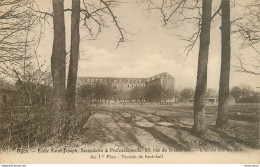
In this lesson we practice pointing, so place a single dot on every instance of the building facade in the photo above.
(163, 80)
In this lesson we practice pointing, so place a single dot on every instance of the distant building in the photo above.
(211, 100)
(124, 84)
(164, 80)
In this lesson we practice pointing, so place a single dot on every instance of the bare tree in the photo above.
(211, 93)
(85, 92)
(18, 45)
(15, 22)
(236, 92)
(176, 95)
(247, 27)
(153, 93)
(180, 12)
(137, 94)
(222, 120)
(167, 91)
(58, 58)
(102, 91)
(96, 14)
(247, 90)
(74, 55)
(203, 20)
(199, 126)
(92, 15)
(92, 12)
(186, 94)
(253, 67)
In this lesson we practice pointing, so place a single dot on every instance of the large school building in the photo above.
(164, 80)
(126, 84)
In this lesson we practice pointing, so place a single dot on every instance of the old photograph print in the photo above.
(129, 81)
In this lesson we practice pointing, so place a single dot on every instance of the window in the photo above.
(128, 86)
(132, 85)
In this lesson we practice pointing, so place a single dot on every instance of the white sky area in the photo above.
(150, 49)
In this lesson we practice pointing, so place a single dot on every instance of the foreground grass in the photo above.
(170, 127)
(147, 126)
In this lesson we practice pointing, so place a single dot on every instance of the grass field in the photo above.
(169, 127)
(147, 126)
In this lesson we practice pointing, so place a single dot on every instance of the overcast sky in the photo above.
(150, 49)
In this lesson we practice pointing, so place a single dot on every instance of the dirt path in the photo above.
(168, 127)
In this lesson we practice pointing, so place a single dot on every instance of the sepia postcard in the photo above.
(129, 81)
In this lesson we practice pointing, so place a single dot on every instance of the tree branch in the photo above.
(122, 39)
(219, 8)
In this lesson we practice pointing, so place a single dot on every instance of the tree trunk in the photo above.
(222, 120)
(74, 55)
(58, 58)
(73, 66)
(199, 127)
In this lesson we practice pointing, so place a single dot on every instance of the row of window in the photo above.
(129, 86)
(135, 86)
(113, 80)
(125, 80)
(91, 86)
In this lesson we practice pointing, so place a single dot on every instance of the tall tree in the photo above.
(74, 54)
(236, 92)
(222, 120)
(247, 28)
(58, 58)
(211, 93)
(93, 14)
(199, 126)
(186, 94)
(16, 20)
